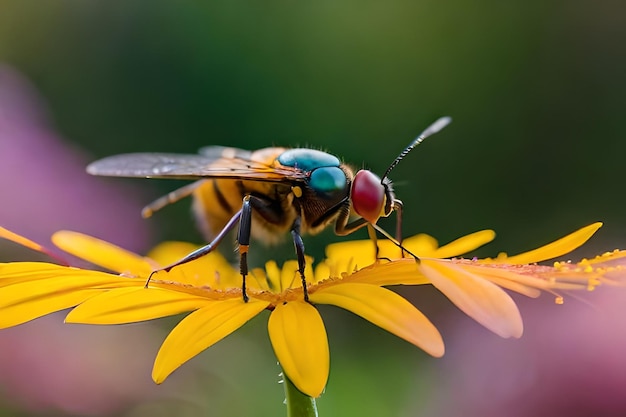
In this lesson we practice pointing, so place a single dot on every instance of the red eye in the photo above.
(368, 195)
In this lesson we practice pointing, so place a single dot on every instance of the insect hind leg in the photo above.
(244, 218)
(299, 245)
(168, 199)
(205, 250)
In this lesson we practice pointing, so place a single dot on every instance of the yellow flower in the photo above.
(210, 288)
(476, 286)
(349, 278)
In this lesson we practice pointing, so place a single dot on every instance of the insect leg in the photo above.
(343, 228)
(394, 241)
(264, 207)
(372, 235)
(299, 245)
(169, 198)
(198, 253)
(397, 207)
(243, 239)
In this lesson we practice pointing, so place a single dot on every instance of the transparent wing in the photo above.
(192, 167)
(216, 152)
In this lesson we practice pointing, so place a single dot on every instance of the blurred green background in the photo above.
(537, 92)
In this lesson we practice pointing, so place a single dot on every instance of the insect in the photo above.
(268, 193)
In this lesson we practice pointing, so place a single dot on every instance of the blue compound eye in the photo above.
(307, 159)
(328, 180)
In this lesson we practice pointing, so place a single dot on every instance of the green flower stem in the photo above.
(298, 404)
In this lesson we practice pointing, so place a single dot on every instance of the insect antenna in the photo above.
(430, 130)
(396, 205)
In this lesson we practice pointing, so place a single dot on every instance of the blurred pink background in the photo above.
(569, 362)
(43, 181)
(46, 366)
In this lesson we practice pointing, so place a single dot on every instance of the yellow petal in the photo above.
(26, 310)
(322, 272)
(198, 273)
(21, 240)
(362, 252)
(514, 283)
(523, 279)
(289, 276)
(201, 329)
(273, 276)
(421, 245)
(551, 250)
(17, 272)
(299, 340)
(211, 270)
(257, 280)
(386, 310)
(464, 244)
(25, 301)
(359, 252)
(129, 305)
(397, 272)
(102, 253)
(166, 253)
(480, 299)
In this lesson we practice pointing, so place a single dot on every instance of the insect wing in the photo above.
(217, 152)
(149, 165)
(192, 167)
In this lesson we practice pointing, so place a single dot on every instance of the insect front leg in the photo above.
(299, 245)
(261, 205)
(397, 207)
(268, 211)
(343, 228)
(243, 239)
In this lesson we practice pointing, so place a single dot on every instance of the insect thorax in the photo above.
(217, 200)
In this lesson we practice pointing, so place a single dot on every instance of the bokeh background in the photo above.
(537, 91)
